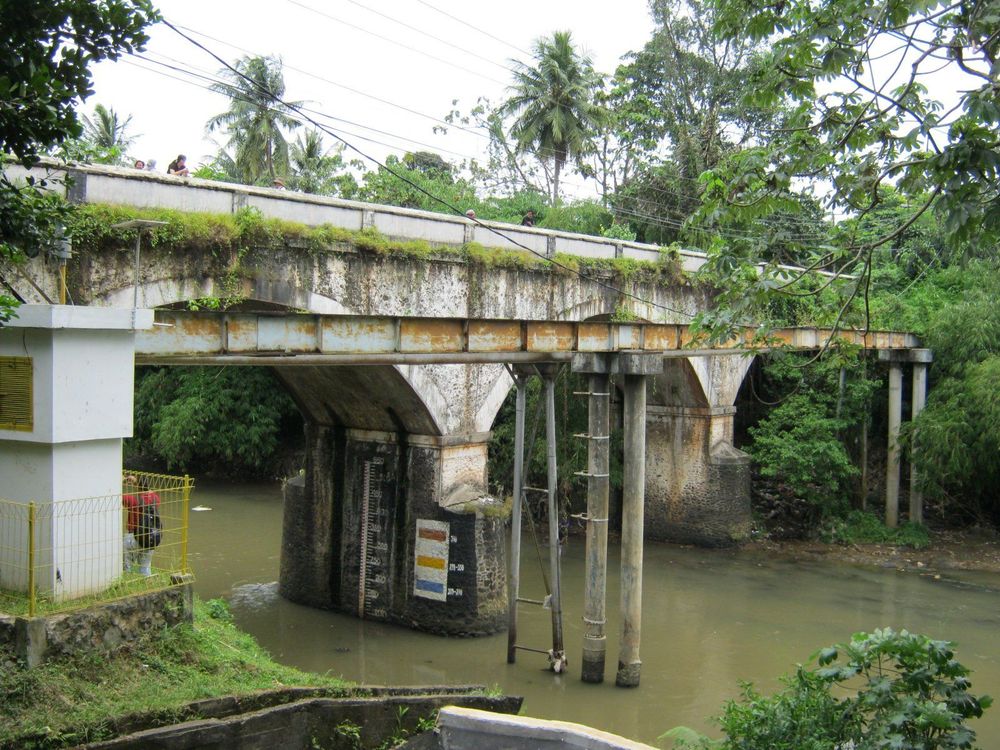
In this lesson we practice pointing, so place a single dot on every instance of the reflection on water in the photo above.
(710, 620)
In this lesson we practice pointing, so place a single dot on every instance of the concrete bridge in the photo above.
(397, 361)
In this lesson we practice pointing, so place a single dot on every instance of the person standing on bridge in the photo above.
(178, 166)
(529, 218)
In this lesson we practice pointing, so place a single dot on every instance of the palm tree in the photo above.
(108, 135)
(256, 116)
(553, 103)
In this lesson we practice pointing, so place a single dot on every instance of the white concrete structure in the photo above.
(82, 365)
(472, 729)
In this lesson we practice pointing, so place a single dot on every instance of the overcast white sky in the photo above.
(328, 53)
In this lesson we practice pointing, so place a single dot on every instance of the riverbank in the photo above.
(967, 549)
(96, 696)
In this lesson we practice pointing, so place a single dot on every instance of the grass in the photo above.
(85, 698)
(858, 527)
(16, 602)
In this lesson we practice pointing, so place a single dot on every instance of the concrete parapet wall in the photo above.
(129, 187)
(276, 719)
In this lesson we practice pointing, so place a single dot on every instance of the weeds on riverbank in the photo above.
(85, 698)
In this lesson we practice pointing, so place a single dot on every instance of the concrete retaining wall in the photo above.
(309, 723)
(100, 628)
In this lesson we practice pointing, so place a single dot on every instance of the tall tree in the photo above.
(316, 169)
(256, 118)
(49, 46)
(552, 103)
(108, 135)
(904, 93)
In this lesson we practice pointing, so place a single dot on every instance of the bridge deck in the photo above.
(238, 338)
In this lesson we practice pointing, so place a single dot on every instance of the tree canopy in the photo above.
(49, 46)
(903, 93)
(552, 103)
(256, 118)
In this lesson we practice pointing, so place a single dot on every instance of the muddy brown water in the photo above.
(710, 620)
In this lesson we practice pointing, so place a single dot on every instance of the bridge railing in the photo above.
(131, 187)
(61, 556)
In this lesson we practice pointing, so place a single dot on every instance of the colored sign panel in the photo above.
(430, 579)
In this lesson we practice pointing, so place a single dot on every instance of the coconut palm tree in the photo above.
(553, 104)
(256, 118)
(108, 135)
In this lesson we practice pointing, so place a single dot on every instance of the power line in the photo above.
(474, 28)
(662, 221)
(363, 30)
(424, 33)
(457, 211)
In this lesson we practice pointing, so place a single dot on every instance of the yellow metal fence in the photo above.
(59, 556)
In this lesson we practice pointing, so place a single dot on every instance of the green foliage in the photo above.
(552, 104)
(420, 189)
(582, 217)
(44, 72)
(69, 701)
(901, 691)
(799, 443)
(256, 119)
(859, 527)
(230, 420)
(314, 169)
(858, 119)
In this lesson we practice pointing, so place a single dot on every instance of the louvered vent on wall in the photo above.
(16, 408)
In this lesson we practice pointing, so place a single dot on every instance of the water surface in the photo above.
(710, 620)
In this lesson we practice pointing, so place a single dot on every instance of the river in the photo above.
(710, 620)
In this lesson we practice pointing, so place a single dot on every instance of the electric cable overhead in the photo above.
(474, 28)
(662, 221)
(363, 30)
(454, 209)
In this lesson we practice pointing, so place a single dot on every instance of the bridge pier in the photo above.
(396, 527)
(697, 482)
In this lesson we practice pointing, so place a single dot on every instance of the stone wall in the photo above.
(102, 628)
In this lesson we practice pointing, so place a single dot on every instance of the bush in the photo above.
(902, 692)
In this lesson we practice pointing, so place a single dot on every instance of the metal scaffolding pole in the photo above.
(598, 482)
(521, 384)
(557, 657)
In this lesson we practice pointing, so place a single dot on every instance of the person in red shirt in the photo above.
(138, 547)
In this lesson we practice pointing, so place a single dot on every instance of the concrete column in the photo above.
(919, 398)
(892, 457)
(598, 467)
(633, 492)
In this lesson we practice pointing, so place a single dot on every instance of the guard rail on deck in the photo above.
(183, 337)
(60, 556)
(131, 187)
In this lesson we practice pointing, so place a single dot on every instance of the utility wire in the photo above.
(662, 221)
(474, 28)
(454, 209)
(363, 30)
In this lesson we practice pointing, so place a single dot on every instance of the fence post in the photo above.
(31, 559)
(185, 499)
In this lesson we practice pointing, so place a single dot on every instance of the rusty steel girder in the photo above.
(183, 337)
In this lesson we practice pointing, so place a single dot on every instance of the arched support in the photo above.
(697, 482)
